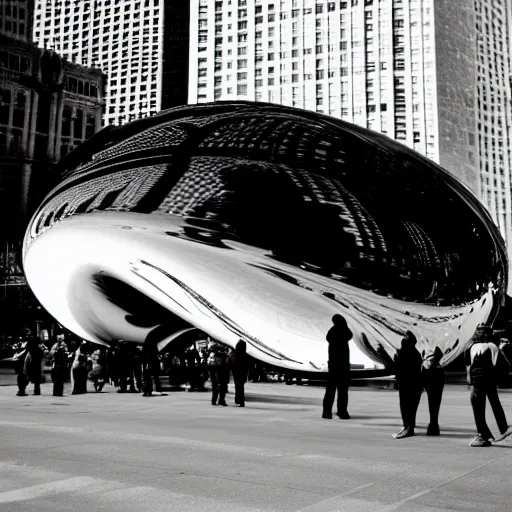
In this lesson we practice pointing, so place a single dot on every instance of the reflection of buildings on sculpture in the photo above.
(430, 74)
(219, 167)
(48, 106)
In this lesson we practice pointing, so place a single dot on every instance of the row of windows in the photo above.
(14, 62)
(82, 87)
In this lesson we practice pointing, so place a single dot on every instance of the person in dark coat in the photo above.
(482, 360)
(339, 368)
(59, 354)
(408, 363)
(33, 363)
(19, 364)
(219, 373)
(79, 370)
(240, 367)
(151, 365)
(433, 382)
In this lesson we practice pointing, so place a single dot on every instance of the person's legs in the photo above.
(215, 384)
(435, 394)
(477, 398)
(330, 393)
(342, 402)
(497, 408)
(147, 385)
(407, 397)
(22, 384)
(415, 398)
(223, 386)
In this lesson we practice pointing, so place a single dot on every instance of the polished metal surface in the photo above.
(256, 221)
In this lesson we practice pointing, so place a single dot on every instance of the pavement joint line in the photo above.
(36, 491)
(319, 507)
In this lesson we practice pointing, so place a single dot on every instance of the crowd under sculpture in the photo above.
(258, 221)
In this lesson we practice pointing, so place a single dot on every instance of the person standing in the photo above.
(339, 368)
(433, 381)
(219, 373)
(408, 363)
(33, 363)
(79, 370)
(150, 366)
(482, 359)
(19, 364)
(59, 365)
(240, 368)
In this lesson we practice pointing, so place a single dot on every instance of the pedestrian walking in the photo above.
(482, 360)
(433, 382)
(408, 363)
(338, 378)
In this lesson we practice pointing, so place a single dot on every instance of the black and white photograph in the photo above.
(301, 208)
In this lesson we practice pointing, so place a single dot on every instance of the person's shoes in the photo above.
(327, 416)
(121, 391)
(214, 403)
(242, 404)
(343, 415)
(503, 435)
(21, 393)
(147, 394)
(479, 442)
(433, 430)
(405, 432)
(223, 403)
(237, 401)
(37, 393)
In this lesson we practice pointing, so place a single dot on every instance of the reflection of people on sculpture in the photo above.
(59, 355)
(433, 381)
(239, 367)
(408, 375)
(339, 368)
(482, 360)
(219, 372)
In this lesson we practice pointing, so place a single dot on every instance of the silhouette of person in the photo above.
(433, 381)
(240, 368)
(339, 368)
(408, 363)
(219, 373)
(481, 359)
(59, 353)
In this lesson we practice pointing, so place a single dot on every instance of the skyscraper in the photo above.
(142, 45)
(421, 71)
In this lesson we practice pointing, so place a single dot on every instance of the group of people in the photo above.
(129, 367)
(135, 368)
(416, 372)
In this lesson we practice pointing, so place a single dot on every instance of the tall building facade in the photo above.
(428, 73)
(493, 19)
(47, 106)
(142, 46)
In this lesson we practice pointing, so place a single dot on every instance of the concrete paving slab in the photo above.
(123, 452)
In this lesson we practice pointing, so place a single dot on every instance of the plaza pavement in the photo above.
(112, 452)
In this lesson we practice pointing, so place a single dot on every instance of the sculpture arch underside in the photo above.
(253, 221)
